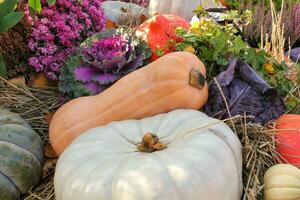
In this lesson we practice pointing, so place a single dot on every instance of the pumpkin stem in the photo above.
(197, 80)
(150, 143)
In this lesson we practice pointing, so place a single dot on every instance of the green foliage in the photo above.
(8, 17)
(159, 52)
(51, 2)
(7, 6)
(10, 20)
(35, 5)
(67, 79)
(214, 44)
(237, 4)
(3, 70)
(238, 17)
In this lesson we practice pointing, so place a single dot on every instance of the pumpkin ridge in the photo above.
(219, 135)
(176, 156)
(121, 135)
(31, 134)
(108, 141)
(28, 152)
(176, 127)
(287, 173)
(33, 180)
(114, 177)
(163, 164)
(7, 178)
(283, 187)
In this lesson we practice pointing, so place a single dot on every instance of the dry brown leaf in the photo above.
(291, 73)
(110, 24)
(143, 18)
(18, 81)
(40, 80)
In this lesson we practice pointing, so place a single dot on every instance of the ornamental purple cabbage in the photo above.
(102, 60)
(59, 30)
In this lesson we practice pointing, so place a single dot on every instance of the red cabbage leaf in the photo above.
(295, 54)
(245, 93)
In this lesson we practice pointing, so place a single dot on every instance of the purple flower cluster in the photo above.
(59, 30)
(296, 17)
(144, 3)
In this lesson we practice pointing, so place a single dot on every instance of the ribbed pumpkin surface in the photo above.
(288, 137)
(21, 156)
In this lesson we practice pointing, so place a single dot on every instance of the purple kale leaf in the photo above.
(295, 55)
(102, 60)
(245, 93)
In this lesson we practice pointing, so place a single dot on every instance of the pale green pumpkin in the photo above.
(192, 157)
(21, 156)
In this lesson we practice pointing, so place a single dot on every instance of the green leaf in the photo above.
(10, 20)
(222, 61)
(7, 6)
(3, 70)
(35, 5)
(51, 2)
(159, 52)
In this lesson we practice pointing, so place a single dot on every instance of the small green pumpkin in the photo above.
(21, 156)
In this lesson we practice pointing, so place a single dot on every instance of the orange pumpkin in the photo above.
(174, 81)
(288, 137)
(160, 33)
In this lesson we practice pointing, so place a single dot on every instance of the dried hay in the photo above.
(34, 103)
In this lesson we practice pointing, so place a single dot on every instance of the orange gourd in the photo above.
(288, 138)
(160, 33)
(174, 81)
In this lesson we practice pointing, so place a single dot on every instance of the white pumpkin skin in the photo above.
(282, 182)
(113, 12)
(103, 163)
(182, 8)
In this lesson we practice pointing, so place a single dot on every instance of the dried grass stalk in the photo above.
(276, 45)
(33, 104)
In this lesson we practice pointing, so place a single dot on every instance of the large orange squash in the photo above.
(160, 33)
(288, 137)
(174, 81)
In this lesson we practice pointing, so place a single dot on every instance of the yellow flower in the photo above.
(269, 67)
(189, 49)
(195, 27)
(195, 24)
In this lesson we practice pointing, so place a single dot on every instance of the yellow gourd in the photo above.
(282, 182)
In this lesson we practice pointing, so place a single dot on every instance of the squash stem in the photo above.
(197, 80)
(150, 143)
